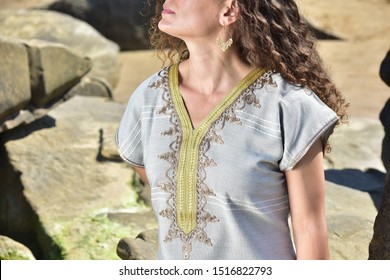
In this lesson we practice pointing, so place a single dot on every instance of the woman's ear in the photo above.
(230, 13)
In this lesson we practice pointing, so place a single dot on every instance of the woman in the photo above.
(231, 136)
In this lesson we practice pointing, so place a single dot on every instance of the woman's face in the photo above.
(191, 18)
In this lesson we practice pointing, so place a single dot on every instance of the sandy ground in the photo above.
(353, 61)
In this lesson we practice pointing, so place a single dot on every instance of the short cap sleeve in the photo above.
(128, 134)
(304, 118)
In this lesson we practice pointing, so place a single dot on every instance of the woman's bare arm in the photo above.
(306, 187)
(142, 173)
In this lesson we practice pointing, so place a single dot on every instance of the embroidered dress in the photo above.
(219, 190)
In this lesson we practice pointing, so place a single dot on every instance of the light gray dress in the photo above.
(219, 191)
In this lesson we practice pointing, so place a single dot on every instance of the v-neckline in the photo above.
(191, 139)
(215, 113)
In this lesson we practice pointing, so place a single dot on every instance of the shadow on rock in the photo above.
(25, 130)
(370, 181)
(321, 34)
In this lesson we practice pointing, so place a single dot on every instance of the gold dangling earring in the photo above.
(224, 45)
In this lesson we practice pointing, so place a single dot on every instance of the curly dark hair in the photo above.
(270, 34)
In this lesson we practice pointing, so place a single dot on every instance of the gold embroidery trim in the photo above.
(186, 203)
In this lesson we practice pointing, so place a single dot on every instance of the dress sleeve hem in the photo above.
(124, 157)
(317, 136)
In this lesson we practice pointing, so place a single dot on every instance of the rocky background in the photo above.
(67, 69)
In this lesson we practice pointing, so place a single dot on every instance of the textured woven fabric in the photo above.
(219, 191)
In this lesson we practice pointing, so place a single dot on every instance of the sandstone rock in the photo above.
(15, 90)
(322, 34)
(16, 215)
(59, 28)
(43, 76)
(143, 247)
(355, 160)
(16, 119)
(356, 145)
(72, 193)
(12, 250)
(122, 21)
(130, 219)
(150, 236)
(350, 215)
(92, 87)
(22, 4)
(108, 149)
(355, 175)
(54, 69)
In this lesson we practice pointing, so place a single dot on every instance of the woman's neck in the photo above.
(209, 70)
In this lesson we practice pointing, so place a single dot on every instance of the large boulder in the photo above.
(143, 247)
(48, 57)
(122, 21)
(355, 176)
(12, 250)
(54, 70)
(35, 75)
(77, 193)
(15, 91)
(56, 27)
(356, 145)
(350, 215)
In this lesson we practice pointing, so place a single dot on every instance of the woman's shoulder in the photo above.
(288, 92)
(282, 87)
(279, 96)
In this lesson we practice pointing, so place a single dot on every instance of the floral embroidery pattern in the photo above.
(203, 191)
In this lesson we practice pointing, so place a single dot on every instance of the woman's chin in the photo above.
(166, 27)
